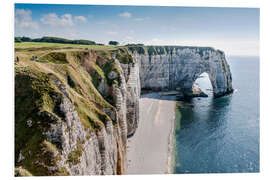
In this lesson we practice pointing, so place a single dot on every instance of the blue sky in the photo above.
(234, 30)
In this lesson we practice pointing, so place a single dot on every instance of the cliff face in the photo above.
(71, 114)
(179, 67)
(74, 109)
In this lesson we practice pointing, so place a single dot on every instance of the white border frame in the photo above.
(7, 82)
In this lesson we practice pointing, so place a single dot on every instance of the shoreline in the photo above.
(171, 146)
(150, 149)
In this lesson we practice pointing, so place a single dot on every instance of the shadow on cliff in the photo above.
(174, 97)
(158, 95)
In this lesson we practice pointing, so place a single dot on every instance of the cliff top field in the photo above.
(58, 45)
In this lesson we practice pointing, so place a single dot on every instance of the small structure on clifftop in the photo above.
(34, 58)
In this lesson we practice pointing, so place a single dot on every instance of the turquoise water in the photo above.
(221, 135)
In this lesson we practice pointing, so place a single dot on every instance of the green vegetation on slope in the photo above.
(74, 156)
(160, 50)
(54, 57)
(138, 48)
(33, 46)
(37, 101)
(34, 106)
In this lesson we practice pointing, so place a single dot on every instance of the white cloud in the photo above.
(125, 15)
(80, 19)
(52, 19)
(23, 19)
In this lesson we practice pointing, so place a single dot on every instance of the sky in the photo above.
(233, 30)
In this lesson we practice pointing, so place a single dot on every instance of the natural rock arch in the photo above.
(218, 72)
(181, 66)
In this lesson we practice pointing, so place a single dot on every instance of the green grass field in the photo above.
(58, 45)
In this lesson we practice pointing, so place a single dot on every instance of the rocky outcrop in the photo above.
(131, 72)
(178, 68)
(82, 151)
(53, 139)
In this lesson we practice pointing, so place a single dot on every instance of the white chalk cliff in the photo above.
(179, 67)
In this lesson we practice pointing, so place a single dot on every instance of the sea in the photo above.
(221, 135)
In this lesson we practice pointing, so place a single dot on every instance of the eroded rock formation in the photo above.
(179, 67)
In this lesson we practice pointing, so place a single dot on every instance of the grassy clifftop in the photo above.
(159, 50)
